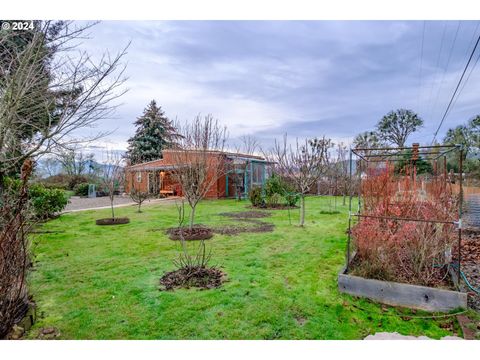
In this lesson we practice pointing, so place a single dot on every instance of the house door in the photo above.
(153, 183)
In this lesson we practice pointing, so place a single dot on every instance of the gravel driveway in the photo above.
(78, 203)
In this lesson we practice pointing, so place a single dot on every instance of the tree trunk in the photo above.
(302, 210)
(111, 204)
(192, 216)
(139, 206)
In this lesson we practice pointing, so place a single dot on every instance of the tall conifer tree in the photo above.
(155, 132)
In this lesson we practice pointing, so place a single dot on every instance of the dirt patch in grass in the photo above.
(188, 277)
(274, 207)
(48, 333)
(196, 232)
(258, 227)
(112, 221)
(246, 214)
(329, 212)
(250, 224)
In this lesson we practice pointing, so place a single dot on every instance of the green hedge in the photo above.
(46, 202)
(81, 189)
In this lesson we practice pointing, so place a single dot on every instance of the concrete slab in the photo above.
(397, 336)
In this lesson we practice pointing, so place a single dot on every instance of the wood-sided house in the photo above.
(242, 172)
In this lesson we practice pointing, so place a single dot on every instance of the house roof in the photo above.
(218, 152)
(160, 164)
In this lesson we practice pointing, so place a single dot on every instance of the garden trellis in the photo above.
(406, 185)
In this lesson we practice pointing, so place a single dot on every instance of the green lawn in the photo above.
(94, 282)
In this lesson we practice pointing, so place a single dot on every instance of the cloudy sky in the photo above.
(267, 78)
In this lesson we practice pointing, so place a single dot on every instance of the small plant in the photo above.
(81, 189)
(192, 263)
(256, 197)
(138, 197)
(273, 200)
(291, 198)
(274, 185)
(75, 180)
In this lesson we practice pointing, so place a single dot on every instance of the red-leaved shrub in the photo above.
(389, 248)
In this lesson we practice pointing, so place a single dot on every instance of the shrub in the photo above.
(256, 197)
(291, 198)
(46, 202)
(274, 185)
(81, 189)
(273, 200)
(277, 189)
(64, 181)
(399, 250)
(59, 181)
(75, 180)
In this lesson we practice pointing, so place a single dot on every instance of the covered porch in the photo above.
(155, 180)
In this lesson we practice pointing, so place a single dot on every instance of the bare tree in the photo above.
(50, 166)
(339, 172)
(112, 176)
(188, 259)
(237, 168)
(302, 164)
(85, 91)
(75, 162)
(194, 168)
(137, 195)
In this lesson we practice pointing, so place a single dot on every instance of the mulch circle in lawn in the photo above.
(196, 276)
(196, 232)
(247, 217)
(112, 221)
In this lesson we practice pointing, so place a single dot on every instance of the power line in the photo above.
(430, 97)
(456, 89)
(445, 69)
(421, 65)
(466, 80)
(468, 77)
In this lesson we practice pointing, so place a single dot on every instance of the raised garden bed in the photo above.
(399, 294)
(112, 221)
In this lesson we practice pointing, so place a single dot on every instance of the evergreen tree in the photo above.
(38, 110)
(423, 166)
(154, 133)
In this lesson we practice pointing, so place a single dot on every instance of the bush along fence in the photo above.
(276, 193)
(404, 240)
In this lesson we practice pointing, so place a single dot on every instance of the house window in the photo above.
(139, 176)
(257, 174)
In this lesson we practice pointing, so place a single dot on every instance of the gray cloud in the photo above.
(307, 78)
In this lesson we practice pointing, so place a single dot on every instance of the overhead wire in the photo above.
(432, 111)
(421, 66)
(442, 40)
(456, 90)
(468, 76)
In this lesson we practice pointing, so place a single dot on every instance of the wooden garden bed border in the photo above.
(405, 295)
